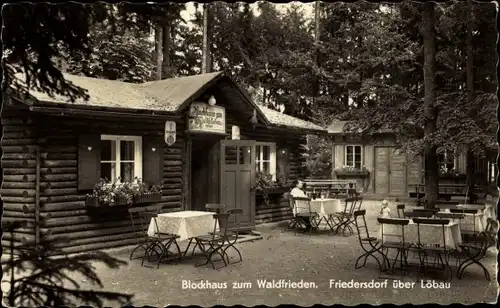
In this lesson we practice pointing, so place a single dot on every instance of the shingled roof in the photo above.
(168, 95)
(280, 119)
(340, 127)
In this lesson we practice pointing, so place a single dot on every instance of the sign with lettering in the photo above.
(205, 118)
(170, 132)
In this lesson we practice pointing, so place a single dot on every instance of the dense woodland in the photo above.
(425, 71)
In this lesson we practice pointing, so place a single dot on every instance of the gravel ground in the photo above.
(315, 259)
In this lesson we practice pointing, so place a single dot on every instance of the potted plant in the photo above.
(107, 193)
(352, 171)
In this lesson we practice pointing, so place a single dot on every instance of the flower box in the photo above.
(352, 173)
(93, 201)
(147, 198)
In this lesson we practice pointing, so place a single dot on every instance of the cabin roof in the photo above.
(340, 127)
(280, 119)
(168, 95)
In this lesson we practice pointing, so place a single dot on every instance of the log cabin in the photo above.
(201, 137)
(375, 163)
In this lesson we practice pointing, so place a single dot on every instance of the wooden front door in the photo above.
(390, 171)
(237, 179)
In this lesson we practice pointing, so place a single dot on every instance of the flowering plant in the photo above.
(444, 171)
(347, 168)
(116, 192)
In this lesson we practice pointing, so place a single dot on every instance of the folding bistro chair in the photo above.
(293, 223)
(398, 242)
(400, 209)
(140, 228)
(475, 250)
(467, 233)
(369, 244)
(210, 207)
(232, 235)
(213, 244)
(441, 252)
(305, 215)
(356, 206)
(341, 220)
(161, 239)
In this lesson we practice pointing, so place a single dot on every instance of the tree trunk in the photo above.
(317, 15)
(158, 51)
(431, 165)
(167, 39)
(470, 99)
(206, 63)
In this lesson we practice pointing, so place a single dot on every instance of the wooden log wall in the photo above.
(277, 210)
(62, 206)
(18, 163)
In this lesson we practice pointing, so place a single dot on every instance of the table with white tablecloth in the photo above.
(323, 207)
(429, 234)
(185, 224)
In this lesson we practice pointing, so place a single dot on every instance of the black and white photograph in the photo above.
(249, 153)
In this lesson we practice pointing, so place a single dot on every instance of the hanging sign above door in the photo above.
(170, 132)
(206, 119)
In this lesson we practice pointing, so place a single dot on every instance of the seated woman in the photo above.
(298, 192)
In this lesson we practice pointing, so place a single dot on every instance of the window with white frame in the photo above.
(121, 157)
(353, 156)
(446, 160)
(265, 155)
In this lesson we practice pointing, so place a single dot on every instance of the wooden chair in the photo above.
(477, 246)
(441, 252)
(141, 221)
(304, 215)
(232, 235)
(161, 239)
(140, 228)
(369, 244)
(210, 207)
(398, 242)
(213, 244)
(341, 220)
(466, 233)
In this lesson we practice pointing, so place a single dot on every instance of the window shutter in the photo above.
(152, 165)
(89, 161)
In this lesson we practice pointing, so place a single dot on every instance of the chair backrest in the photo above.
(215, 207)
(302, 204)
(361, 226)
(400, 209)
(464, 211)
(351, 204)
(433, 211)
(418, 214)
(223, 220)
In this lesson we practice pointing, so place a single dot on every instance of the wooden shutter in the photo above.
(89, 161)
(152, 165)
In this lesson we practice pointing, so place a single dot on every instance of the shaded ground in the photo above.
(283, 255)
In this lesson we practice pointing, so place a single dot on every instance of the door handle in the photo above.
(252, 188)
